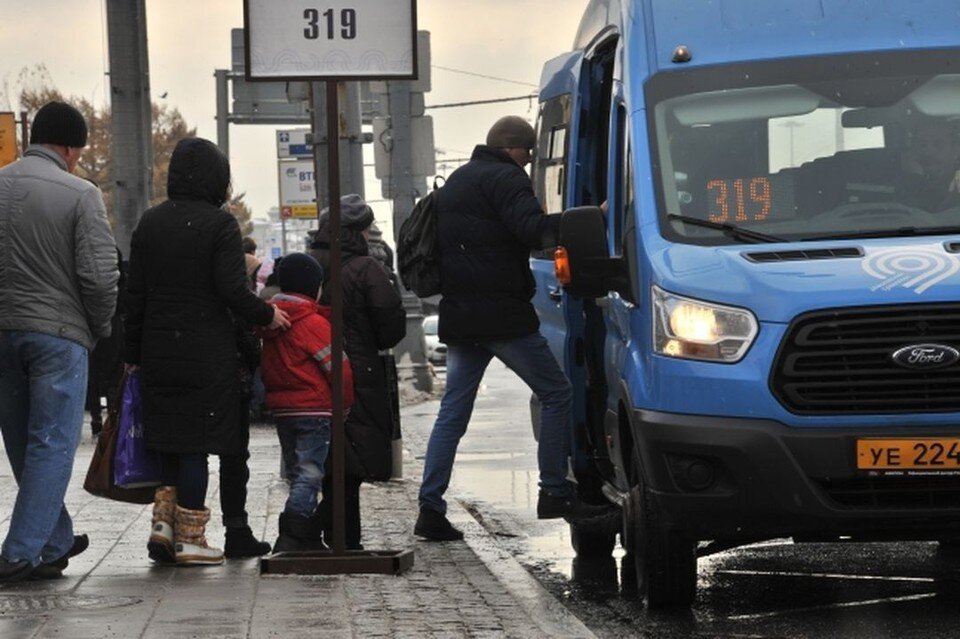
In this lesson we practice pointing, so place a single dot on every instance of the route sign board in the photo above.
(292, 143)
(342, 39)
(298, 190)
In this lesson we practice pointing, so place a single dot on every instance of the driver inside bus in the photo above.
(930, 167)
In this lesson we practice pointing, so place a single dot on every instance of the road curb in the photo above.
(544, 609)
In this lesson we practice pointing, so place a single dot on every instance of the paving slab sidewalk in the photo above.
(461, 589)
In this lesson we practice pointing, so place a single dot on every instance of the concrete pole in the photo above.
(411, 358)
(351, 140)
(223, 112)
(131, 115)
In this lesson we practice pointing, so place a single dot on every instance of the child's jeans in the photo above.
(304, 442)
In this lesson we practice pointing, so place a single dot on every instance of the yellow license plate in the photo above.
(928, 454)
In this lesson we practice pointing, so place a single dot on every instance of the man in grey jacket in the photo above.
(58, 291)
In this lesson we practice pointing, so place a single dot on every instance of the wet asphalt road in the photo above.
(770, 589)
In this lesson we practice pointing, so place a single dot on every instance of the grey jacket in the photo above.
(58, 258)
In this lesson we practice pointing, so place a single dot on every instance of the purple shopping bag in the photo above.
(133, 465)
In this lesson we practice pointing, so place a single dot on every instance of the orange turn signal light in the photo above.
(561, 266)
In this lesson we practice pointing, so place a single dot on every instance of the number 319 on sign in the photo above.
(330, 24)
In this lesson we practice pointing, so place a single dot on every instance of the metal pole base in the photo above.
(330, 562)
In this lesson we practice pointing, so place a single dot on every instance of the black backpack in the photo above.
(418, 247)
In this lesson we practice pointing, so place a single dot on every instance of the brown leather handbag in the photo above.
(99, 480)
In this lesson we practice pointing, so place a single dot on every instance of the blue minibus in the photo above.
(756, 292)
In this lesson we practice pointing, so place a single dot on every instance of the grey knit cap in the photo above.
(354, 213)
(512, 131)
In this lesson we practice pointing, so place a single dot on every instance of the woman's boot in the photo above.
(160, 545)
(191, 544)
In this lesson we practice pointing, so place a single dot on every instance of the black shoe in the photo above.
(435, 527)
(80, 543)
(13, 571)
(567, 507)
(241, 543)
(45, 572)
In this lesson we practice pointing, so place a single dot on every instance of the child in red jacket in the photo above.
(297, 369)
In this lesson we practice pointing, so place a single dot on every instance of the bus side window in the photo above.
(549, 163)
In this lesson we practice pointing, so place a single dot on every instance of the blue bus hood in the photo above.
(889, 271)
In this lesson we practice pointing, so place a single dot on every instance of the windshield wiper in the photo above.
(903, 231)
(732, 230)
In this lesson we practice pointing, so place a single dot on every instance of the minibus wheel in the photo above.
(665, 562)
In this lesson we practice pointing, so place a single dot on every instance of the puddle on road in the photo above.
(504, 500)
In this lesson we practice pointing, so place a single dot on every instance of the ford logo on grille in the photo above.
(926, 356)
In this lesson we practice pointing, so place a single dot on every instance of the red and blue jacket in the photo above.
(297, 364)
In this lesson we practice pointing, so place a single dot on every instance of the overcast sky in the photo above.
(189, 39)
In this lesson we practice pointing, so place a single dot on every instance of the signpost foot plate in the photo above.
(329, 562)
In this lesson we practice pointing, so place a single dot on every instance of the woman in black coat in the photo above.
(186, 282)
(373, 321)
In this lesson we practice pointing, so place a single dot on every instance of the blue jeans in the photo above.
(304, 442)
(43, 384)
(530, 358)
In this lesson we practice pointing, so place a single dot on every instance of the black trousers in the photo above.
(351, 507)
(234, 475)
(188, 472)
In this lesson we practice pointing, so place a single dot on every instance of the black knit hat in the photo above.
(59, 123)
(300, 273)
(354, 213)
(512, 132)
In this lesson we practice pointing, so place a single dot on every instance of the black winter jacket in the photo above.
(489, 220)
(373, 320)
(187, 275)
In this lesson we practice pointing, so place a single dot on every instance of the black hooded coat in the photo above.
(373, 320)
(187, 275)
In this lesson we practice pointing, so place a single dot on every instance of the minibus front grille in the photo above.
(841, 361)
(918, 492)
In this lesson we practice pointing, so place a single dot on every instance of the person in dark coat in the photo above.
(105, 368)
(373, 320)
(186, 282)
(234, 470)
(488, 221)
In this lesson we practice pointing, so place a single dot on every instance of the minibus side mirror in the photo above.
(583, 264)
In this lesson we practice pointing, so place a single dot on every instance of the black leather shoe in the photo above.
(435, 527)
(13, 571)
(567, 507)
(80, 543)
(54, 569)
(240, 543)
(45, 572)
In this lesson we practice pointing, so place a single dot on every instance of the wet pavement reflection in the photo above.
(770, 589)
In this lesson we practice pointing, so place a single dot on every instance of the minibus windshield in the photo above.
(844, 146)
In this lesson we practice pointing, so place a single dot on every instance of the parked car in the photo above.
(436, 352)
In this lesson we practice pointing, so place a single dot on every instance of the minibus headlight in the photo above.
(691, 329)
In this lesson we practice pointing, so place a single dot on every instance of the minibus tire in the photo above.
(665, 563)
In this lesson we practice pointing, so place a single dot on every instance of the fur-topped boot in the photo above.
(160, 545)
(191, 543)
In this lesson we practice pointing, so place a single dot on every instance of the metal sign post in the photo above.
(297, 40)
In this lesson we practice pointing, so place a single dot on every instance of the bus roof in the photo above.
(719, 31)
